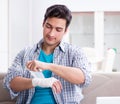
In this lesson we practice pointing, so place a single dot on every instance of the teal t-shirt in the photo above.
(44, 95)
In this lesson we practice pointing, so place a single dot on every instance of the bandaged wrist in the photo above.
(43, 82)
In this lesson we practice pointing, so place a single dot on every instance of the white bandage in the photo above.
(37, 74)
(43, 82)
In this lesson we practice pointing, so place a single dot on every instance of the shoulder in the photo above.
(28, 50)
(72, 48)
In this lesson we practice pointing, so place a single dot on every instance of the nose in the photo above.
(52, 32)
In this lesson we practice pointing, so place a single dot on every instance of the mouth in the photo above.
(51, 38)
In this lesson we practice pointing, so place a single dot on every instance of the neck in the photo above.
(47, 49)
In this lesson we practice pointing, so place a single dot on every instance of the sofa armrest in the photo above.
(4, 94)
(103, 84)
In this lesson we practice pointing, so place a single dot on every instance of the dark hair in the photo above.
(59, 11)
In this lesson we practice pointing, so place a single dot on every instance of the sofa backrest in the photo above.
(103, 84)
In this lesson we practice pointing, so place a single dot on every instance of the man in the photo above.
(52, 71)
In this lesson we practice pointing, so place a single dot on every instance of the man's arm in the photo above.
(21, 83)
(71, 74)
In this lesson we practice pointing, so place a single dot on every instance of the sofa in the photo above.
(103, 84)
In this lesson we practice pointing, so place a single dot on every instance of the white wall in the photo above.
(18, 26)
(3, 35)
(21, 21)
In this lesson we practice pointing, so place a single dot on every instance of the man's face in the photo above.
(54, 30)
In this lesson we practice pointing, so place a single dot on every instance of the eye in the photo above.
(59, 29)
(47, 26)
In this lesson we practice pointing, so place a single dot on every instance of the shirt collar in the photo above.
(61, 45)
(38, 48)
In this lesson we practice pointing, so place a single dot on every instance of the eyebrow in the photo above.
(52, 26)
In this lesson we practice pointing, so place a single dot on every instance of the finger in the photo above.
(32, 66)
(54, 88)
(57, 87)
(60, 86)
(28, 65)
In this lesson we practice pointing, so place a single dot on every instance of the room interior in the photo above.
(95, 28)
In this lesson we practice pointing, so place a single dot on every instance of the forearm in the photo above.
(73, 75)
(20, 83)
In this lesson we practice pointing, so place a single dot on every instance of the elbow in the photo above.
(13, 87)
(79, 80)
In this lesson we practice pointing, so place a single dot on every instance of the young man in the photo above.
(62, 70)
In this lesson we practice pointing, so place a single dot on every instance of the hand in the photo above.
(48, 82)
(35, 65)
(57, 86)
